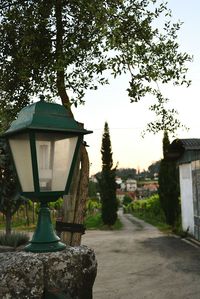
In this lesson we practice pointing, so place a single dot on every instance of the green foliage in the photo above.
(26, 217)
(148, 209)
(169, 186)
(78, 41)
(95, 222)
(166, 144)
(130, 173)
(92, 206)
(127, 200)
(14, 240)
(56, 205)
(107, 181)
(154, 168)
(126, 173)
(10, 199)
(93, 188)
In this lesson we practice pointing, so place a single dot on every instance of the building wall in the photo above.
(131, 185)
(185, 173)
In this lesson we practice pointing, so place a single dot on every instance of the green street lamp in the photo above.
(44, 141)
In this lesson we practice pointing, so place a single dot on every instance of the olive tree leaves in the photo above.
(151, 56)
(99, 37)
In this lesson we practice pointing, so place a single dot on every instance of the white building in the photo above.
(131, 185)
(187, 154)
(118, 181)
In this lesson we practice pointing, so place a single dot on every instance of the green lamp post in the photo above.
(44, 141)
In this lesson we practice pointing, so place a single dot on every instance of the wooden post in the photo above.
(82, 193)
(69, 203)
(74, 205)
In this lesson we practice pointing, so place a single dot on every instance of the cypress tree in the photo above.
(166, 144)
(168, 185)
(107, 182)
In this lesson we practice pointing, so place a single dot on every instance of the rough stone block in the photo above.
(69, 274)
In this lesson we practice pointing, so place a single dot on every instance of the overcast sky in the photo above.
(127, 120)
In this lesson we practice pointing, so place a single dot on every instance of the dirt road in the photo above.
(139, 262)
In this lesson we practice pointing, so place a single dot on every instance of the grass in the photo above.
(149, 210)
(92, 221)
(161, 225)
(20, 226)
(158, 221)
(95, 222)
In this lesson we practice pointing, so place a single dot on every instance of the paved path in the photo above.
(139, 262)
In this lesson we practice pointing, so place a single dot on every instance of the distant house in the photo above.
(131, 185)
(147, 189)
(123, 186)
(152, 188)
(118, 181)
(120, 194)
(187, 154)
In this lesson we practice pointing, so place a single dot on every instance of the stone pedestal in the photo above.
(66, 274)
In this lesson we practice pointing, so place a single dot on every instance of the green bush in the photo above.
(148, 209)
(14, 239)
(92, 206)
(126, 200)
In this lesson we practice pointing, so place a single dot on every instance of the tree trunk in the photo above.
(8, 223)
(74, 206)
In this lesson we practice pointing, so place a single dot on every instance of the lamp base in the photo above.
(44, 238)
(45, 247)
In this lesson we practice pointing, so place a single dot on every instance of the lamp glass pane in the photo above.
(20, 147)
(55, 153)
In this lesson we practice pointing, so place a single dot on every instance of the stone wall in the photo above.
(66, 274)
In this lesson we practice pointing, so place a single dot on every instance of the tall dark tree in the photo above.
(107, 182)
(166, 144)
(153, 169)
(168, 185)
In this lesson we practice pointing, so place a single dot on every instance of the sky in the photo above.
(127, 120)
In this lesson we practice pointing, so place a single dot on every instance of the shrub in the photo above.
(14, 239)
(147, 208)
(126, 200)
(92, 206)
